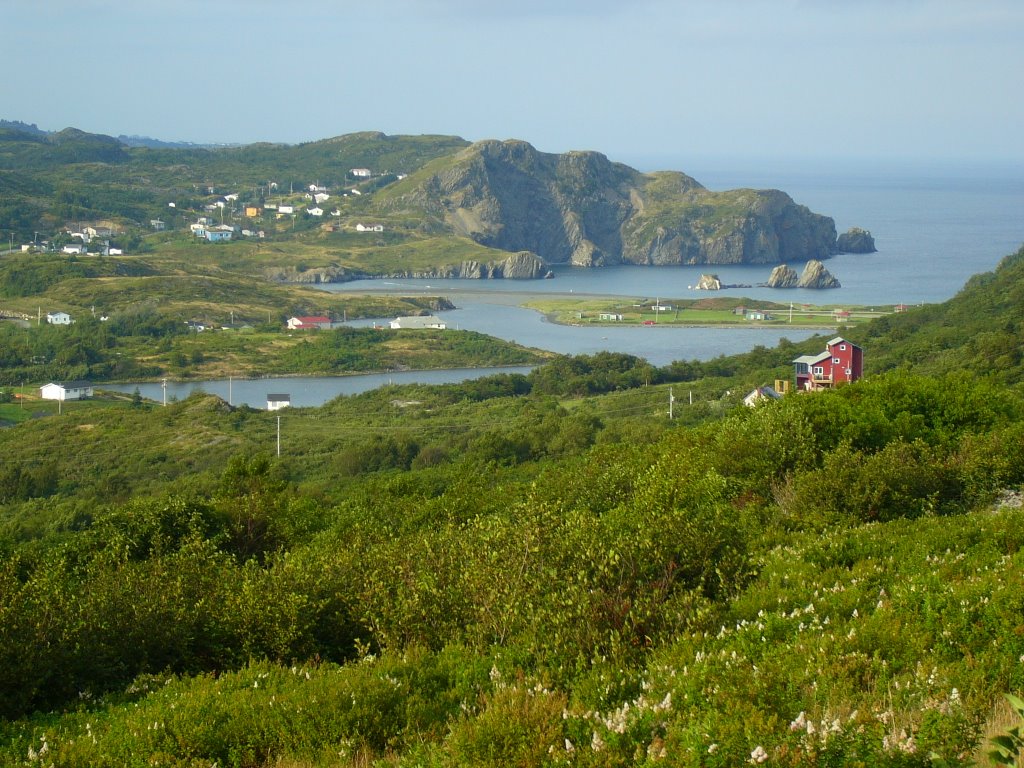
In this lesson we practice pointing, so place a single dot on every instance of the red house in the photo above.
(842, 361)
(306, 323)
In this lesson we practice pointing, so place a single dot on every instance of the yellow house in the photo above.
(252, 211)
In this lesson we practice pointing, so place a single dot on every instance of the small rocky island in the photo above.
(856, 240)
(814, 276)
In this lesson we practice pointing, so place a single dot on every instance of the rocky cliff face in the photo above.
(579, 208)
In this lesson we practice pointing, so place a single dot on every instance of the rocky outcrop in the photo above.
(816, 276)
(581, 209)
(518, 266)
(783, 277)
(709, 283)
(856, 240)
(314, 276)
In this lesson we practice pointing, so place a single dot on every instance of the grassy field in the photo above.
(738, 312)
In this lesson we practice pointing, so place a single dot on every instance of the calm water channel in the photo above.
(304, 390)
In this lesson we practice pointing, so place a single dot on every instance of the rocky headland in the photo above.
(581, 209)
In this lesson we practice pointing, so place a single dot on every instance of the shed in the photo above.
(276, 402)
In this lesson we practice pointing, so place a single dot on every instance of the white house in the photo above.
(369, 227)
(316, 211)
(285, 209)
(321, 197)
(612, 316)
(72, 390)
(361, 173)
(73, 248)
(277, 402)
(58, 318)
(418, 322)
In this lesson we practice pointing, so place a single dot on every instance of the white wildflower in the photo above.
(758, 755)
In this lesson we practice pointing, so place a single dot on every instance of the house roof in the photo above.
(79, 384)
(279, 398)
(812, 359)
(312, 320)
(762, 392)
(840, 340)
(417, 321)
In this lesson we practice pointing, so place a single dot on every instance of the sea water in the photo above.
(935, 225)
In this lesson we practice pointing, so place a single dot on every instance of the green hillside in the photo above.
(533, 570)
(428, 205)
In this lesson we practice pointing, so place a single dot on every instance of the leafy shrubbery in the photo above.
(795, 581)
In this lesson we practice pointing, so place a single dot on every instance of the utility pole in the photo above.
(164, 385)
(229, 390)
(279, 436)
(671, 402)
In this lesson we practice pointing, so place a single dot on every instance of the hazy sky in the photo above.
(888, 79)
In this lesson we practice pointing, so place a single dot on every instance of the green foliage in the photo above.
(484, 574)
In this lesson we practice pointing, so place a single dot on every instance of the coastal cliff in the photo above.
(581, 209)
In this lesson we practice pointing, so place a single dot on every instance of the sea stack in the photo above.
(856, 240)
(709, 283)
(816, 276)
(783, 277)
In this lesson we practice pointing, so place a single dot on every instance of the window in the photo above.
(835, 361)
(849, 372)
(819, 371)
(842, 347)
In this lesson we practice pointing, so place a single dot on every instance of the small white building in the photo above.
(419, 323)
(315, 211)
(72, 390)
(361, 173)
(73, 248)
(760, 394)
(58, 318)
(276, 402)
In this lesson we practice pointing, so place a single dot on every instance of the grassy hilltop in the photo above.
(534, 570)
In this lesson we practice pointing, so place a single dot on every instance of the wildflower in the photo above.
(799, 723)
(758, 755)
(569, 746)
(596, 742)
(712, 749)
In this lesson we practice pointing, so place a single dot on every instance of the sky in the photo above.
(638, 80)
